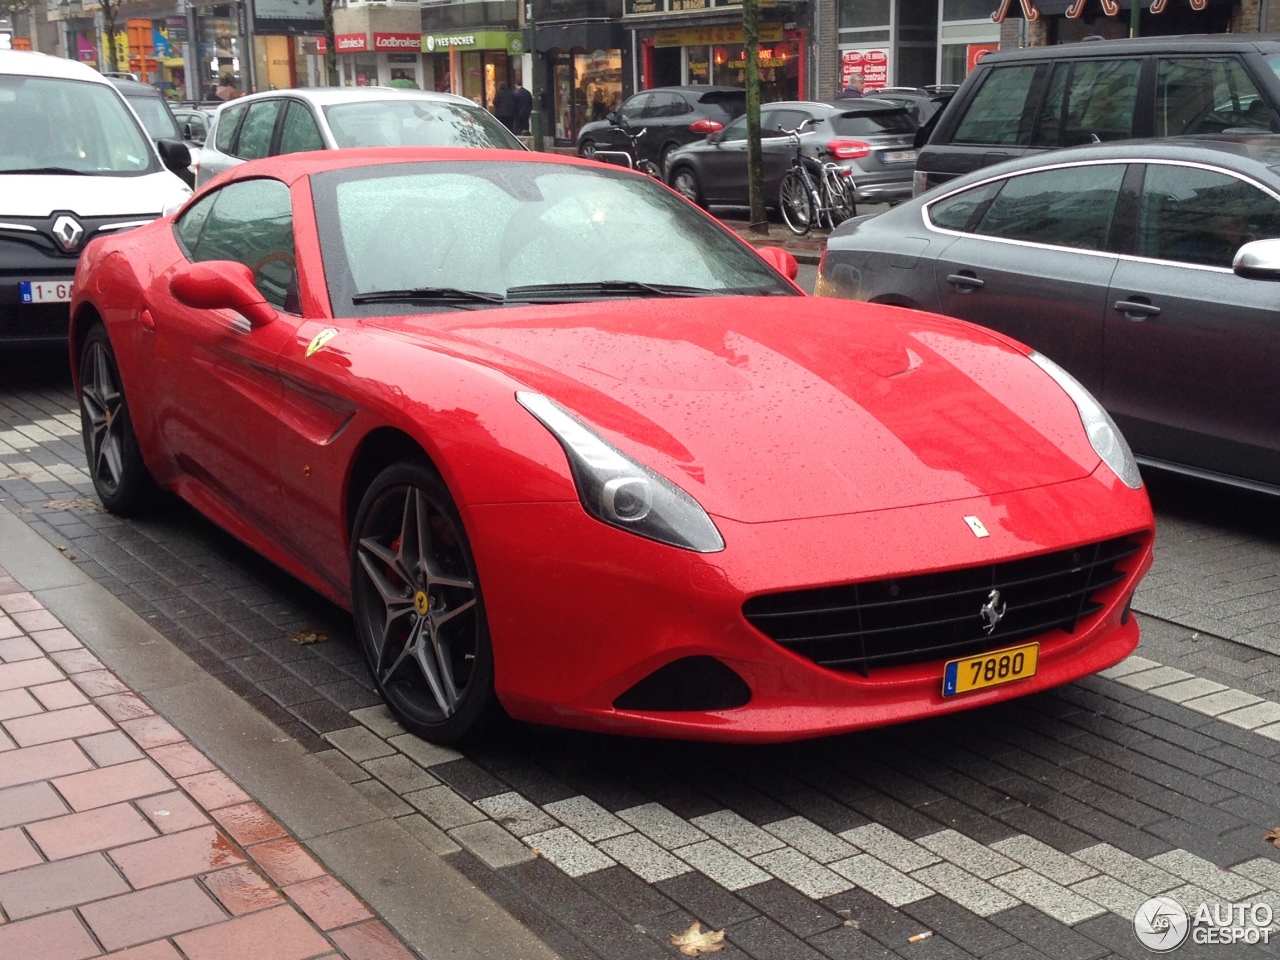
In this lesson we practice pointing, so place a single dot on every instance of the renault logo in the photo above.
(992, 611)
(68, 232)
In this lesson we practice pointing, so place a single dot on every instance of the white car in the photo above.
(334, 118)
(82, 166)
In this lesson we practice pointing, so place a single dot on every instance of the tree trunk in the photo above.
(109, 11)
(755, 163)
(331, 47)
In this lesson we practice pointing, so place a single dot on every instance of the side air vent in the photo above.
(692, 683)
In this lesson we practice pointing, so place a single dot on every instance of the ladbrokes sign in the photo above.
(397, 42)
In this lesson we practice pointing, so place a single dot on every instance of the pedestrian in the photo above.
(227, 89)
(524, 107)
(504, 106)
(854, 90)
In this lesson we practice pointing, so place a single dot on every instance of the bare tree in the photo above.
(755, 165)
(331, 47)
(10, 8)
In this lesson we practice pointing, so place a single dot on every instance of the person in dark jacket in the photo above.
(854, 90)
(524, 107)
(504, 106)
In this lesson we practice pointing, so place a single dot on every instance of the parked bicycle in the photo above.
(633, 159)
(814, 192)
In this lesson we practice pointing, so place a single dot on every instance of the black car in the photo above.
(158, 120)
(670, 117)
(870, 138)
(1131, 265)
(1044, 98)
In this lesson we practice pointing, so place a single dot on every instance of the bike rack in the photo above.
(630, 161)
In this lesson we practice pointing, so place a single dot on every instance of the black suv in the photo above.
(670, 117)
(1026, 101)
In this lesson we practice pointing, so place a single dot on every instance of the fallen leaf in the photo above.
(693, 941)
(1272, 836)
(308, 636)
(82, 504)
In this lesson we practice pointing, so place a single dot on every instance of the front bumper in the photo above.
(579, 612)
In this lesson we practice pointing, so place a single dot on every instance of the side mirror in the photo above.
(780, 260)
(185, 130)
(715, 137)
(1259, 260)
(175, 155)
(614, 117)
(221, 285)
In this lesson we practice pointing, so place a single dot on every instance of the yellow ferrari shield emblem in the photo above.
(421, 603)
(320, 339)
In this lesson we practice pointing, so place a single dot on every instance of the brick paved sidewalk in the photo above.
(119, 837)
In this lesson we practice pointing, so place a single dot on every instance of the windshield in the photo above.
(525, 230)
(155, 116)
(873, 124)
(55, 125)
(416, 123)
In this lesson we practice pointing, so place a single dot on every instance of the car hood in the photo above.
(781, 408)
(91, 196)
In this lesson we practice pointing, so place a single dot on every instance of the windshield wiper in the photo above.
(428, 294)
(607, 288)
(64, 171)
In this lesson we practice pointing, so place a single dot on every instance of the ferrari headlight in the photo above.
(1102, 431)
(621, 492)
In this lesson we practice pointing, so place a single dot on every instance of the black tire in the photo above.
(587, 149)
(120, 476)
(649, 169)
(796, 204)
(684, 180)
(418, 611)
(664, 156)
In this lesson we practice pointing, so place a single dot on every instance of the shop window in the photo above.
(864, 13)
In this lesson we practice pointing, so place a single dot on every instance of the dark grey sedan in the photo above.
(872, 138)
(1123, 263)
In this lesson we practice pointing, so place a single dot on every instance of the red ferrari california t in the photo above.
(568, 448)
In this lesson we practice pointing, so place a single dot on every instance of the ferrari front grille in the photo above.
(934, 616)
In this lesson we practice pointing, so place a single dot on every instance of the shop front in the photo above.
(472, 64)
(284, 44)
(221, 32)
(379, 46)
(588, 71)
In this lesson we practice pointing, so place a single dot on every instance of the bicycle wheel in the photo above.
(796, 204)
(649, 169)
(841, 200)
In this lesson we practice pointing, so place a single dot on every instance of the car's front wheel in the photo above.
(417, 606)
(120, 476)
(685, 182)
(587, 148)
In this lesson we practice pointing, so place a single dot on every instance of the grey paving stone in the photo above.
(890, 885)
(359, 744)
(342, 765)
(1047, 896)
(737, 833)
(1120, 898)
(889, 847)
(379, 720)
(492, 844)
(810, 839)
(1136, 873)
(382, 798)
(638, 902)
(643, 857)
(1157, 677)
(568, 851)
(721, 864)
(764, 939)
(444, 807)
(1219, 703)
(808, 876)
(976, 858)
(419, 750)
(972, 893)
(945, 918)
(798, 913)
(586, 817)
(706, 900)
(1043, 859)
(1249, 718)
(400, 773)
(849, 943)
(1044, 933)
(661, 825)
(428, 834)
(516, 814)
(1206, 874)
(469, 779)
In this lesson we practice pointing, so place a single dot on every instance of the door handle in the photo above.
(965, 281)
(1137, 309)
(147, 320)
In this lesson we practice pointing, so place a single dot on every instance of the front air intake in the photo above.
(692, 683)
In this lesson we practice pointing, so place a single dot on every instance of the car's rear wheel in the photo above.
(587, 148)
(417, 606)
(664, 158)
(120, 476)
(685, 182)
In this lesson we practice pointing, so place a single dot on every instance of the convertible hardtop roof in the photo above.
(291, 167)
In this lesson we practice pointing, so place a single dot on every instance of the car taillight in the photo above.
(848, 149)
(706, 125)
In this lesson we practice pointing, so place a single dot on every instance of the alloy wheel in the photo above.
(103, 404)
(419, 603)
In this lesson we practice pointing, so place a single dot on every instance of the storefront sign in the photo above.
(397, 42)
(176, 28)
(351, 42)
(477, 40)
(288, 9)
(706, 36)
(872, 63)
(975, 53)
(322, 46)
(649, 8)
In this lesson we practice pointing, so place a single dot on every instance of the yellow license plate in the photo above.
(990, 669)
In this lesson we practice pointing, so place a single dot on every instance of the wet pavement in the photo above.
(1029, 830)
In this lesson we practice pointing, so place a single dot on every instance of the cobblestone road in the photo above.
(1028, 830)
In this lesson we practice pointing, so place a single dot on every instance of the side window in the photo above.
(228, 120)
(1207, 95)
(633, 108)
(774, 122)
(255, 134)
(191, 223)
(1063, 207)
(251, 222)
(998, 113)
(735, 131)
(955, 212)
(662, 105)
(299, 132)
(1089, 101)
(1193, 215)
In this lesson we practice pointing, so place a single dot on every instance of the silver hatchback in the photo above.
(334, 118)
